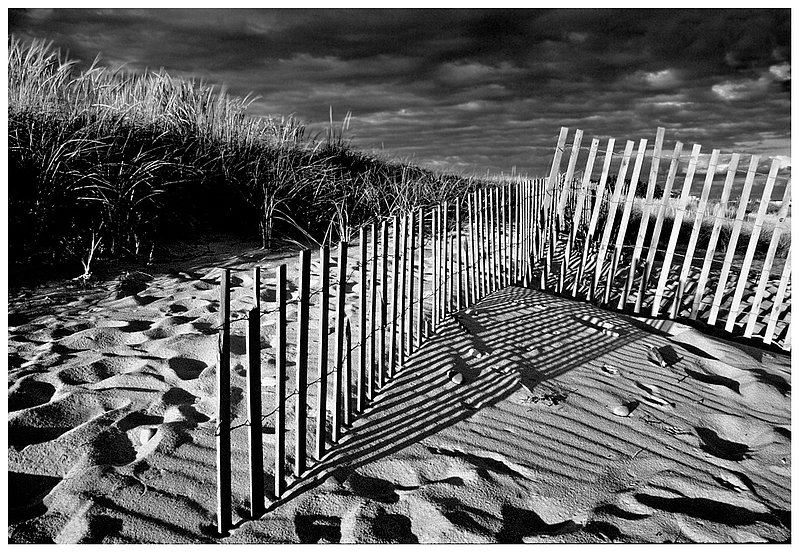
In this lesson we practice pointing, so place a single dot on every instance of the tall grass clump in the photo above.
(106, 164)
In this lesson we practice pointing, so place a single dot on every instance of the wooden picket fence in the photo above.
(558, 234)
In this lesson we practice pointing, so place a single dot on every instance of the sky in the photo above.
(469, 90)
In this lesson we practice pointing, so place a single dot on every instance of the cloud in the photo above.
(469, 87)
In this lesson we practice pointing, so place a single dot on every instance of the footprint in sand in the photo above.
(187, 368)
(732, 437)
(27, 392)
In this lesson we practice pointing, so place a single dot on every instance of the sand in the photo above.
(530, 418)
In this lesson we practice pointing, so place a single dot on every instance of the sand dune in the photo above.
(530, 418)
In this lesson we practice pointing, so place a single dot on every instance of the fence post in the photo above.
(224, 406)
(322, 393)
(338, 390)
(435, 267)
(301, 371)
(280, 381)
(253, 346)
(362, 324)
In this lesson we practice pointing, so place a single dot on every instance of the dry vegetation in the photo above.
(106, 164)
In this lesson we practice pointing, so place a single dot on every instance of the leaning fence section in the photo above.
(622, 228)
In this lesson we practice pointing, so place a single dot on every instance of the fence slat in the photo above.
(744, 274)
(373, 314)
(322, 361)
(459, 260)
(644, 222)
(361, 386)
(498, 244)
(730, 252)
(590, 232)
(766, 268)
(339, 390)
(421, 307)
(579, 205)
(472, 264)
(395, 293)
(676, 227)
(777, 302)
(712, 241)
(383, 303)
(224, 406)
(612, 212)
(662, 210)
(412, 250)
(253, 348)
(688, 258)
(552, 180)
(301, 374)
(348, 373)
(566, 190)
(623, 224)
(485, 249)
(435, 268)
(401, 307)
(280, 382)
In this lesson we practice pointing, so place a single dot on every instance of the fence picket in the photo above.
(322, 360)
(459, 261)
(223, 413)
(255, 449)
(361, 385)
(612, 212)
(599, 195)
(741, 211)
(712, 241)
(383, 302)
(373, 314)
(301, 374)
(644, 222)
(280, 382)
(623, 224)
(421, 307)
(766, 268)
(777, 301)
(662, 210)
(553, 178)
(412, 250)
(676, 227)
(744, 274)
(401, 306)
(579, 205)
(472, 264)
(567, 189)
(435, 268)
(699, 216)
(339, 390)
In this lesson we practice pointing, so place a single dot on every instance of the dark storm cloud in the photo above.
(470, 89)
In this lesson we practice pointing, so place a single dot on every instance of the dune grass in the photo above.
(105, 164)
